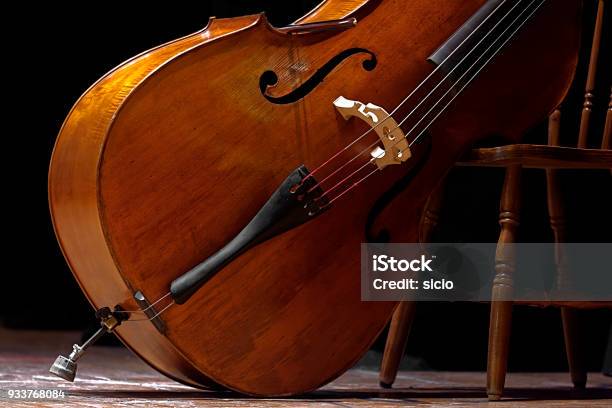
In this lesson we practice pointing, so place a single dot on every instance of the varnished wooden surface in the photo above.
(587, 106)
(331, 10)
(399, 329)
(72, 193)
(113, 376)
(538, 156)
(551, 158)
(73, 189)
(165, 165)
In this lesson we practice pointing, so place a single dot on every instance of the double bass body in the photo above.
(167, 157)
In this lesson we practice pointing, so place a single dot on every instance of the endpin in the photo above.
(65, 367)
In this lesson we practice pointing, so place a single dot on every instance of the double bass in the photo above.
(210, 195)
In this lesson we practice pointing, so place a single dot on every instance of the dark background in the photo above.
(55, 52)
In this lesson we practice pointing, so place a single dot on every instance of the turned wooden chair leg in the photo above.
(396, 342)
(503, 285)
(606, 141)
(574, 346)
(572, 333)
(404, 314)
(499, 339)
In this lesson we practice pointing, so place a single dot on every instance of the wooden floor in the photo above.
(111, 376)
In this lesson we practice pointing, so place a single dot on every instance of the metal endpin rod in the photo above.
(65, 367)
(77, 351)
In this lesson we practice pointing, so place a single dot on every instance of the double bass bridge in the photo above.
(396, 149)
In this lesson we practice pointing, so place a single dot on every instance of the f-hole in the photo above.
(270, 78)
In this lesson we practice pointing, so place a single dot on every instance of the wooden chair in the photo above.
(514, 158)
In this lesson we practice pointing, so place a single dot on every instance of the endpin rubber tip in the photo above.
(64, 368)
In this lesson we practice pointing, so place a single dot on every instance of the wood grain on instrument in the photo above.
(165, 159)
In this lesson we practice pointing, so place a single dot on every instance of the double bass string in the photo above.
(442, 110)
(148, 307)
(443, 97)
(422, 83)
(156, 314)
(368, 148)
(449, 102)
(495, 52)
(359, 181)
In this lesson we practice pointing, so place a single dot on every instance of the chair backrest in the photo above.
(606, 142)
(589, 90)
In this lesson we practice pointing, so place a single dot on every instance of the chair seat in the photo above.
(538, 156)
(569, 304)
(513, 158)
